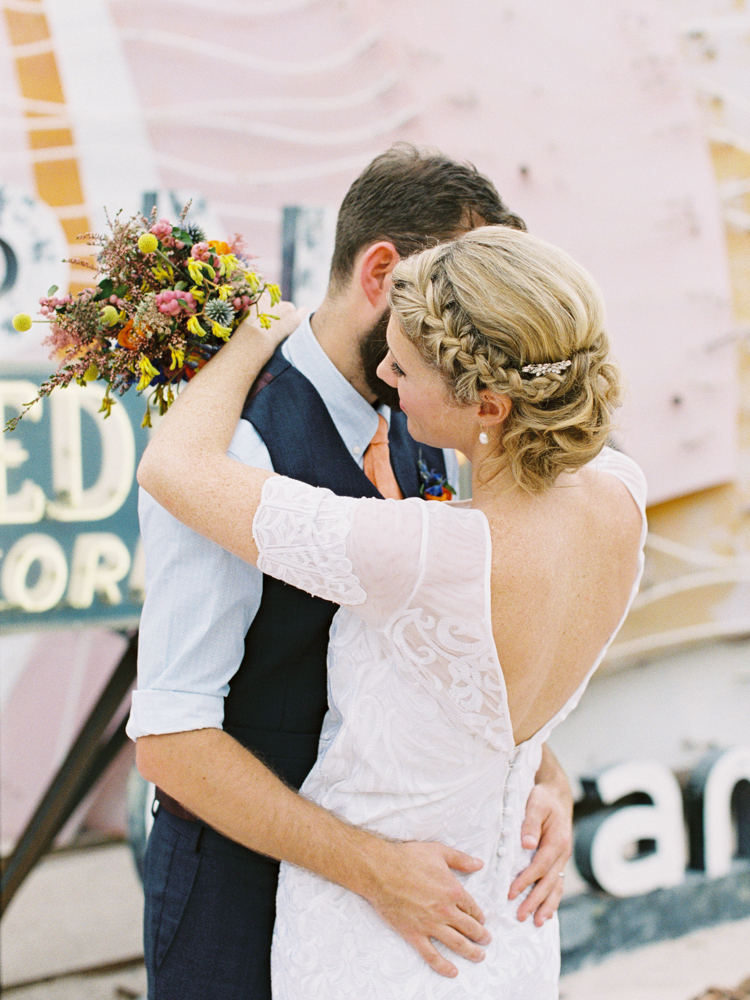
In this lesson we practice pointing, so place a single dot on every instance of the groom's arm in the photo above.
(411, 885)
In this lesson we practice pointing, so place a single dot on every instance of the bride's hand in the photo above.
(285, 320)
(204, 417)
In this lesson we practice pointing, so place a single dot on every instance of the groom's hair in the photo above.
(413, 198)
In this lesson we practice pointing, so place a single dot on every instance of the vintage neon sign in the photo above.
(637, 842)
(69, 547)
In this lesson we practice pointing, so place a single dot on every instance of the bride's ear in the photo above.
(494, 408)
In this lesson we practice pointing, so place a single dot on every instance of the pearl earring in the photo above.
(483, 438)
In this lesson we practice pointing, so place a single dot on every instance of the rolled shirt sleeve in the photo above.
(200, 603)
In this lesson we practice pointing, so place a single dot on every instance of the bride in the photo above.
(467, 631)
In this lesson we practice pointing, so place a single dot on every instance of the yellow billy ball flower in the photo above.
(147, 243)
(22, 322)
(110, 315)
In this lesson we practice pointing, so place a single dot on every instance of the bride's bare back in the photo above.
(563, 566)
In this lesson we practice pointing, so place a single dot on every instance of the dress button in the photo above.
(502, 850)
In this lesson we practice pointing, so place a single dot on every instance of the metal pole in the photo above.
(84, 764)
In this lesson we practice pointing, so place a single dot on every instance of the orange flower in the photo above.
(128, 338)
(444, 495)
(220, 246)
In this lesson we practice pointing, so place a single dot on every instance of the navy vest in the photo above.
(278, 697)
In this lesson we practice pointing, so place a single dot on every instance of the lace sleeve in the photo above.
(360, 553)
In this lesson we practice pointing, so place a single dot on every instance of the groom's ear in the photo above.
(375, 267)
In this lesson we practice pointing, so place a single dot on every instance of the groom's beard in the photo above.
(373, 348)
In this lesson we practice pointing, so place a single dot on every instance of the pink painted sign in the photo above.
(582, 113)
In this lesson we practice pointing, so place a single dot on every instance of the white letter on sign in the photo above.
(604, 847)
(115, 479)
(710, 792)
(52, 576)
(27, 505)
(100, 561)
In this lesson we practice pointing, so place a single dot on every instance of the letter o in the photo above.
(53, 573)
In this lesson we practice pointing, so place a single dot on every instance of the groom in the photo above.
(232, 665)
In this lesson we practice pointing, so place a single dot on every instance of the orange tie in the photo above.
(377, 463)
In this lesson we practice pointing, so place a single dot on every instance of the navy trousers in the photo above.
(209, 913)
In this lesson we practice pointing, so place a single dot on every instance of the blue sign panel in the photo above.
(70, 553)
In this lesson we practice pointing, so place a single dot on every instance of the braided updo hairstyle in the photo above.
(481, 308)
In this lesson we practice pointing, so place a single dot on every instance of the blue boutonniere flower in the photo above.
(433, 484)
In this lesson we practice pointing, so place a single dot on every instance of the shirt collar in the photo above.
(355, 419)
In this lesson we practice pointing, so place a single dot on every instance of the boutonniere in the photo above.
(433, 484)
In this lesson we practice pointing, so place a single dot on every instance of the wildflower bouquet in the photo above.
(166, 301)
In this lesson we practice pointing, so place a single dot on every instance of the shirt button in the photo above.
(502, 850)
(357, 450)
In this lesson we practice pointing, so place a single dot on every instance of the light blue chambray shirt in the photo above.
(200, 600)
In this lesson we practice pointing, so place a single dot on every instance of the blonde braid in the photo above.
(481, 308)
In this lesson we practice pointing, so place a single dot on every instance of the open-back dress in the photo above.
(417, 743)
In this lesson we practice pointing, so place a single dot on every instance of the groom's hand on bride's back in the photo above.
(417, 893)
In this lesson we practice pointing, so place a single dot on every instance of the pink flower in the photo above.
(203, 252)
(238, 246)
(161, 229)
(60, 340)
(172, 302)
(47, 306)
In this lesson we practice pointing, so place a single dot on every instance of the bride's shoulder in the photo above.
(622, 467)
(613, 499)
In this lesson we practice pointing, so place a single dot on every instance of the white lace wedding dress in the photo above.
(417, 742)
